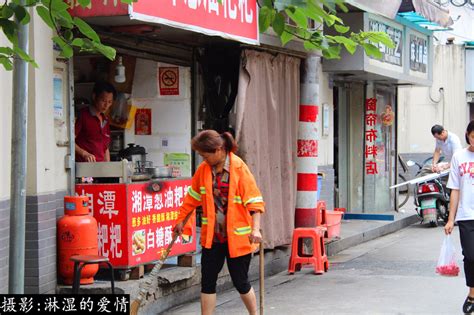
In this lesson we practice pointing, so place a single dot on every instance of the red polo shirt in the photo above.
(92, 135)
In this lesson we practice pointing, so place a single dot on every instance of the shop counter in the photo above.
(135, 220)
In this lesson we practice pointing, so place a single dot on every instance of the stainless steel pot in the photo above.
(160, 171)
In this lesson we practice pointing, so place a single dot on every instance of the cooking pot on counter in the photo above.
(160, 171)
(135, 154)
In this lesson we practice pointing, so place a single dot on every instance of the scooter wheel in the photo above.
(434, 223)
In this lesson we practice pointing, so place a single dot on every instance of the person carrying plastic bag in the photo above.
(461, 209)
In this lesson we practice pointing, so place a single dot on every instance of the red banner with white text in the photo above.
(233, 19)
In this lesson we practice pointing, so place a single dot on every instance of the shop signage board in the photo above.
(418, 53)
(409, 62)
(134, 223)
(233, 19)
(371, 135)
(98, 8)
(390, 55)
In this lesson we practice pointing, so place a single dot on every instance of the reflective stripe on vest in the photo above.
(238, 199)
(194, 194)
(202, 190)
(243, 230)
(204, 220)
(254, 200)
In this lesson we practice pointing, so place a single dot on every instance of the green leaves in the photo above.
(303, 20)
(71, 33)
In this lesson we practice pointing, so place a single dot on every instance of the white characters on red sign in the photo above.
(228, 8)
(102, 239)
(147, 202)
(169, 198)
(107, 201)
(178, 196)
(136, 201)
(115, 240)
(160, 236)
(168, 235)
(158, 202)
(150, 239)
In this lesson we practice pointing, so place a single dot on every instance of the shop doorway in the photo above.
(378, 197)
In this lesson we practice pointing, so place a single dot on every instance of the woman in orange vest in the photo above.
(232, 205)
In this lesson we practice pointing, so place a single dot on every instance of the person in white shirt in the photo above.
(461, 209)
(447, 143)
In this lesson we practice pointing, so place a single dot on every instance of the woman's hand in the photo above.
(448, 228)
(178, 228)
(255, 236)
(88, 157)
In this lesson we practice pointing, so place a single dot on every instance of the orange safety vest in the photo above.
(244, 196)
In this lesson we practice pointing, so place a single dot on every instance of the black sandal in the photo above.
(468, 306)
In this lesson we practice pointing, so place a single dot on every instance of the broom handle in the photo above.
(262, 275)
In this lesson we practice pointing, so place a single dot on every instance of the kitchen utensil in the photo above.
(134, 153)
(140, 177)
(160, 171)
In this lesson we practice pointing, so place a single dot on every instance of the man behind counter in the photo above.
(92, 128)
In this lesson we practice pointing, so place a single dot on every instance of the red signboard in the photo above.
(234, 19)
(98, 8)
(134, 223)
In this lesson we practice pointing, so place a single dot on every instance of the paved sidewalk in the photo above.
(186, 284)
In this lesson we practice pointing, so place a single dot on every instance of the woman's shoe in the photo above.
(468, 306)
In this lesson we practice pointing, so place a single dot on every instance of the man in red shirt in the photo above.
(92, 128)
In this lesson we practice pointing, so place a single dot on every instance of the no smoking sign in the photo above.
(169, 80)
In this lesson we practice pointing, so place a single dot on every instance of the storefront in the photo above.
(171, 82)
(365, 100)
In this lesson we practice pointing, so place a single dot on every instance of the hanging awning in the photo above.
(426, 14)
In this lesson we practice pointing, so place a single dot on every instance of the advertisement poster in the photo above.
(135, 223)
(168, 80)
(143, 121)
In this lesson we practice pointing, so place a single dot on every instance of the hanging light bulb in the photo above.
(120, 71)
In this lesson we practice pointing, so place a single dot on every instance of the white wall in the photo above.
(463, 27)
(418, 112)
(46, 171)
(5, 127)
(326, 143)
(171, 115)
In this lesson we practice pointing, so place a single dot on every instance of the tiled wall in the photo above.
(40, 264)
(4, 244)
(40, 248)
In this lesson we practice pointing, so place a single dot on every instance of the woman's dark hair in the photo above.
(469, 129)
(437, 130)
(102, 86)
(209, 141)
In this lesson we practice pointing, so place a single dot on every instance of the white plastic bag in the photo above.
(447, 259)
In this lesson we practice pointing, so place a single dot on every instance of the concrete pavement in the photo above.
(394, 274)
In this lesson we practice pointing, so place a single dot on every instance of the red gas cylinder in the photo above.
(77, 235)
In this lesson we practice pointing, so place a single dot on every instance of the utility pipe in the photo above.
(18, 166)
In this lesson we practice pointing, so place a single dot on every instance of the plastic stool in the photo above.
(82, 260)
(318, 259)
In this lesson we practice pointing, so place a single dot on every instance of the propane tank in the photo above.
(77, 235)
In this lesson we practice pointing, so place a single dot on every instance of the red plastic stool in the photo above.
(298, 258)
